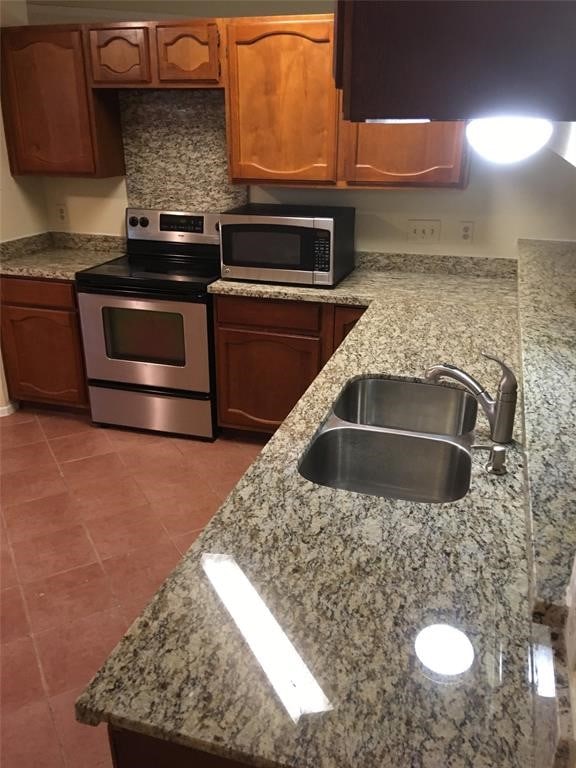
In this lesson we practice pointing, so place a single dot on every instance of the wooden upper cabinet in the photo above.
(120, 55)
(188, 52)
(414, 154)
(154, 54)
(45, 101)
(282, 101)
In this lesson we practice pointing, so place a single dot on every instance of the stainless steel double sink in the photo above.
(397, 439)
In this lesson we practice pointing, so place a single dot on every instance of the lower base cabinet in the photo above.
(345, 318)
(41, 345)
(266, 374)
(134, 750)
(267, 354)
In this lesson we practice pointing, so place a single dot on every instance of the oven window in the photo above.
(144, 335)
(270, 248)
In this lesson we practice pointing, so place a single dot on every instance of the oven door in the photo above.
(261, 249)
(147, 342)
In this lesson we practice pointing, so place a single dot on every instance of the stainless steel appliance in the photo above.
(306, 245)
(146, 321)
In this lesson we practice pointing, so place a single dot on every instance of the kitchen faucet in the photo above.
(499, 411)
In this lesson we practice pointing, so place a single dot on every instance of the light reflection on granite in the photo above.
(351, 579)
(547, 307)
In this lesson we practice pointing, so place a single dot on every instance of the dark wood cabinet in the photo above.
(154, 54)
(282, 102)
(265, 375)
(53, 125)
(120, 55)
(415, 154)
(41, 342)
(345, 318)
(457, 60)
(136, 750)
(267, 354)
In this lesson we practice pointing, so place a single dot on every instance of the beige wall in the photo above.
(22, 204)
(13, 13)
(93, 205)
(534, 199)
(22, 207)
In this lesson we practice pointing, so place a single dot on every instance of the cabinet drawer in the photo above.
(267, 314)
(37, 293)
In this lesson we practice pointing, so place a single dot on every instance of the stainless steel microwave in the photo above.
(299, 244)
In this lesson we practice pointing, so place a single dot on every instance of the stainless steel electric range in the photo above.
(146, 321)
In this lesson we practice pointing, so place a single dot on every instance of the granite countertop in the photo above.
(351, 579)
(57, 255)
(378, 274)
(547, 307)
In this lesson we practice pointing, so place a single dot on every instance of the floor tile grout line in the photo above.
(54, 457)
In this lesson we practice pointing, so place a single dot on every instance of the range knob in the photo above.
(133, 221)
(144, 221)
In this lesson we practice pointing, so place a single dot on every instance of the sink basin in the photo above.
(394, 465)
(407, 405)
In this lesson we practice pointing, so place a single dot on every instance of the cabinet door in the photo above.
(45, 102)
(261, 376)
(188, 52)
(120, 55)
(282, 101)
(415, 154)
(345, 318)
(42, 355)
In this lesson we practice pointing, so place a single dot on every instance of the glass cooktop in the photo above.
(180, 275)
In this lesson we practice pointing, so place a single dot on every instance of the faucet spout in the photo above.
(499, 411)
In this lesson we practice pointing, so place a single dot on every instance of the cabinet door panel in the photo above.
(42, 355)
(345, 318)
(282, 101)
(418, 154)
(120, 55)
(188, 52)
(262, 375)
(293, 316)
(46, 103)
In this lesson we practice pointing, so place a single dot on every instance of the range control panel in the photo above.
(172, 226)
(176, 222)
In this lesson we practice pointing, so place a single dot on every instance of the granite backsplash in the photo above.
(175, 151)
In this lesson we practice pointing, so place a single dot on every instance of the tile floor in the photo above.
(92, 521)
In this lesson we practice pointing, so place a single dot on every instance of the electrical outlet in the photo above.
(467, 231)
(61, 212)
(424, 230)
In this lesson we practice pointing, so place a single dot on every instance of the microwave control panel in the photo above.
(321, 250)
